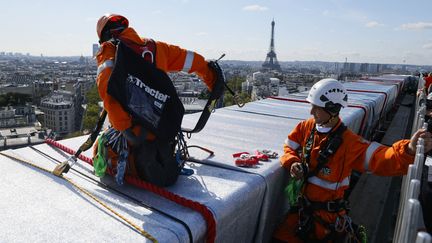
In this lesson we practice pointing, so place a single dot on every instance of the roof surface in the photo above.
(246, 202)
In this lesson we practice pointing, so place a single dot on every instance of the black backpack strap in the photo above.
(216, 93)
(218, 89)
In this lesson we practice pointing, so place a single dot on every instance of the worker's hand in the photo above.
(296, 170)
(421, 133)
(132, 138)
(419, 91)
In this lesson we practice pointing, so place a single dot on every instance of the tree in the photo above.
(92, 111)
(91, 117)
(92, 96)
(235, 83)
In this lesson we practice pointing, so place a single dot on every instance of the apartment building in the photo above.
(59, 112)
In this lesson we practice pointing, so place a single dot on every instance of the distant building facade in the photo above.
(41, 89)
(7, 117)
(59, 113)
(16, 116)
(13, 88)
(264, 84)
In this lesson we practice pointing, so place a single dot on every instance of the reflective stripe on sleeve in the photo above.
(293, 145)
(188, 61)
(107, 63)
(369, 152)
(327, 184)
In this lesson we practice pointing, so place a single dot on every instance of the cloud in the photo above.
(373, 24)
(255, 8)
(416, 26)
(427, 46)
(201, 34)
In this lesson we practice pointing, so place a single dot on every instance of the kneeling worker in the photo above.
(150, 157)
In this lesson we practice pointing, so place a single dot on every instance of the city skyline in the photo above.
(394, 32)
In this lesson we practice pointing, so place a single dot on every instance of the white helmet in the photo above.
(329, 94)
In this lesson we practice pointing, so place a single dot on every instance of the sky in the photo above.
(374, 31)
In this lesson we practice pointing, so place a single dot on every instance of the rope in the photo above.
(202, 209)
(141, 231)
(124, 195)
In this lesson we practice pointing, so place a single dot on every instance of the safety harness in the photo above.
(328, 149)
(149, 95)
(306, 208)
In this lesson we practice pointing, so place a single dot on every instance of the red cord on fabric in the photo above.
(200, 208)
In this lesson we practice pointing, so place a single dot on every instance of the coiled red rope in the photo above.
(202, 209)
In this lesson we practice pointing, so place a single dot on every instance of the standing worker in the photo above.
(152, 158)
(329, 152)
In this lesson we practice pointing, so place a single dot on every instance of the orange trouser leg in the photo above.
(287, 230)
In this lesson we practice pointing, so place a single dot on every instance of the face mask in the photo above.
(322, 129)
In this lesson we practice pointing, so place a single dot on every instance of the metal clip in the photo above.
(146, 51)
(238, 101)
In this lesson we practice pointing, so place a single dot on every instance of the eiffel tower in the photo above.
(271, 61)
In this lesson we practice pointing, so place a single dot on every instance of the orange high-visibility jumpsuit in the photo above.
(428, 82)
(354, 153)
(169, 58)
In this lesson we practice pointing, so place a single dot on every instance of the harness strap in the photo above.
(308, 147)
(330, 206)
(329, 148)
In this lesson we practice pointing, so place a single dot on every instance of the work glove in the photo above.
(298, 170)
(218, 86)
(132, 138)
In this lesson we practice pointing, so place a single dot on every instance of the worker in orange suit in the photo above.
(168, 58)
(428, 82)
(330, 152)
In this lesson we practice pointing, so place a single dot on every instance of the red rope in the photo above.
(202, 209)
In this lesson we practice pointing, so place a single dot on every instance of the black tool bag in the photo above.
(146, 92)
(155, 162)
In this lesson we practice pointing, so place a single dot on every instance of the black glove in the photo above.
(219, 82)
(132, 138)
